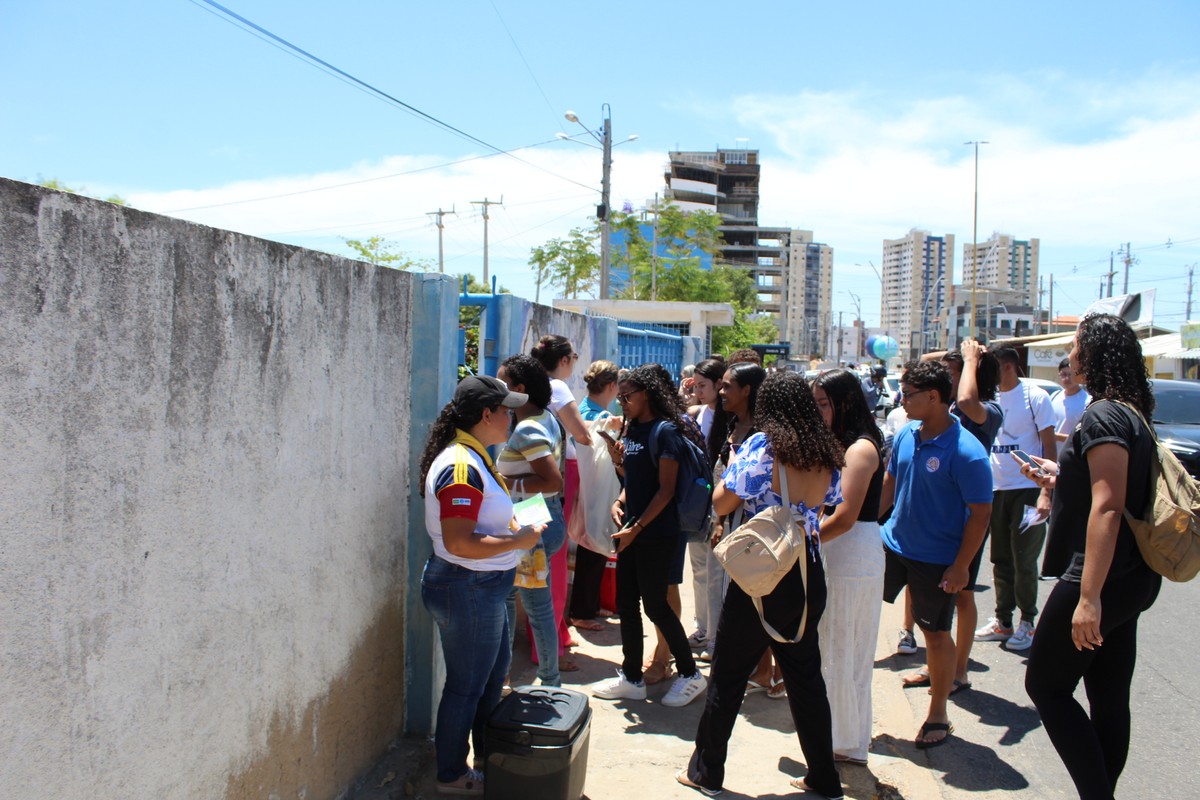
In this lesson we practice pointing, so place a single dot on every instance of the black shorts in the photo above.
(933, 608)
(973, 570)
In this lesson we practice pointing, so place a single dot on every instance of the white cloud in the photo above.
(1081, 166)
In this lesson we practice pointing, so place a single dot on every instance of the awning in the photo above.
(1159, 346)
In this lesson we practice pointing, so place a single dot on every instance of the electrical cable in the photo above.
(374, 91)
(524, 61)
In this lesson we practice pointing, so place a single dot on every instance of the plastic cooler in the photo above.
(537, 745)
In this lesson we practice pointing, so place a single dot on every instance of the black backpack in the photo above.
(693, 486)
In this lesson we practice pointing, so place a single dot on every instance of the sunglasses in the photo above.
(623, 398)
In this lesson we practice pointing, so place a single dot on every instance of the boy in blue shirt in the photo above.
(940, 482)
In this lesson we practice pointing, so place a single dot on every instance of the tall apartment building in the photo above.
(1003, 263)
(917, 272)
(808, 295)
(779, 260)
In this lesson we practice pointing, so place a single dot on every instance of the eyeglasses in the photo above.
(907, 395)
(623, 398)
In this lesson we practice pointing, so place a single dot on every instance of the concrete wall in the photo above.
(204, 549)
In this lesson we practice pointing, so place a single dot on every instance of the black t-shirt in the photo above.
(641, 474)
(1103, 422)
(985, 433)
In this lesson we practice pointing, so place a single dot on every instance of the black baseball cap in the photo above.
(483, 391)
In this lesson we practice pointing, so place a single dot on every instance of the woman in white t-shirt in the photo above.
(467, 580)
(556, 354)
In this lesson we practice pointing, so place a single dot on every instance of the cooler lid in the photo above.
(546, 710)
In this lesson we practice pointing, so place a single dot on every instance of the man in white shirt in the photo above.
(1028, 425)
(1068, 403)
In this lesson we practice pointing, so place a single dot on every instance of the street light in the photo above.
(975, 239)
(605, 139)
(925, 313)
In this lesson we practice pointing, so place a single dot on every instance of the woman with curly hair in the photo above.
(648, 541)
(467, 579)
(1088, 629)
(853, 564)
(791, 436)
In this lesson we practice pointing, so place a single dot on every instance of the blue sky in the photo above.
(1092, 111)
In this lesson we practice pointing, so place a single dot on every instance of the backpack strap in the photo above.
(758, 606)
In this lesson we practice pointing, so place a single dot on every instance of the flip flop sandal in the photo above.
(841, 759)
(914, 679)
(777, 691)
(802, 785)
(754, 687)
(931, 727)
(567, 665)
(959, 686)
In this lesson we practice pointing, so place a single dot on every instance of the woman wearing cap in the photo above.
(469, 517)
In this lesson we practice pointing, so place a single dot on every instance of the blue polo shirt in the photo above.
(935, 482)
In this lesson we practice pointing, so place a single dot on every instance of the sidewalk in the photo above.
(637, 747)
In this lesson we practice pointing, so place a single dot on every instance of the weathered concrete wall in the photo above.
(523, 324)
(205, 499)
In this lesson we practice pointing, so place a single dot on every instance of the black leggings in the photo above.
(1093, 748)
(642, 571)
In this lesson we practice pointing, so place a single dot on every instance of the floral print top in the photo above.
(749, 477)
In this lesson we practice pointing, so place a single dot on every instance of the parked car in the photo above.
(1177, 419)
(1050, 386)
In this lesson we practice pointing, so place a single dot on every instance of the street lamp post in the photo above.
(975, 238)
(602, 210)
(925, 313)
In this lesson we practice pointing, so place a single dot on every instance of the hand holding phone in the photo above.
(1021, 457)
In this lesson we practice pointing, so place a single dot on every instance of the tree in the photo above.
(382, 253)
(55, 183)
(571, 263)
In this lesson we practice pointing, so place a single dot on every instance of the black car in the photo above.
(1177, 420)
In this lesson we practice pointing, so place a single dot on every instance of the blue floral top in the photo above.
(749, 477)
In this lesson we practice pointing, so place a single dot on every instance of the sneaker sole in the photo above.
(907, 651)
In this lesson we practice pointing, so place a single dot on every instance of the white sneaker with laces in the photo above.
(993, 631)
(619, 688)
(1022, 638)
(684, 690)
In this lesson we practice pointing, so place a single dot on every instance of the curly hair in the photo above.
(665, 402)
(551, 349)
(746, 355)
(529, 372)
(851, 417)
(987, 371)
(1110, 358)
(788, 415)
(599, 375)
(450, 419)
(929, 375)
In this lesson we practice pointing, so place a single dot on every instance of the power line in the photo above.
(524, 61)
(371, 89)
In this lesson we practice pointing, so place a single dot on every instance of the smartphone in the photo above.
(629, 523)
(607, 436)
(1022, 456)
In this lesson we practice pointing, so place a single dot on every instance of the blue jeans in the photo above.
(473, 623)
(539, 604)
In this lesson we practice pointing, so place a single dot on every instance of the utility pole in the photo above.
(975, 238)
(654, 254)
(439, 213)
(1041, 294)
(1187, 315)
(839, 339)
(1109, 275)
(603, 210)
(1050, 321)
(1129, 259)
(485, 203)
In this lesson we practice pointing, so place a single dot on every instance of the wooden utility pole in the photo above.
(485, 203)
(439, 213)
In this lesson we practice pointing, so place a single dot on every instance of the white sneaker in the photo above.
(1022, 638)
(907, 644)
(470, 784)
(993, 632)
(619, 688)
(697, 640)
(684, 690)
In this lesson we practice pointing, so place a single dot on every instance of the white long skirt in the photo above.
(848, 631)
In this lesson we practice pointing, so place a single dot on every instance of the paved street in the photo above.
(999, 749)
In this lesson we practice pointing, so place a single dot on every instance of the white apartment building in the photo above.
(917, 272)
(1003, 263)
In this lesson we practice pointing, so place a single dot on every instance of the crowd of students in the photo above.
(874, 524)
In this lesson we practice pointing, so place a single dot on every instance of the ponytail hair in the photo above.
(551, 350)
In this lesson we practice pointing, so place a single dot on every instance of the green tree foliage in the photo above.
(55, 183)
(572, 263)
(382, 253)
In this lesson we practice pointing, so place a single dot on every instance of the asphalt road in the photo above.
(1001, 750)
